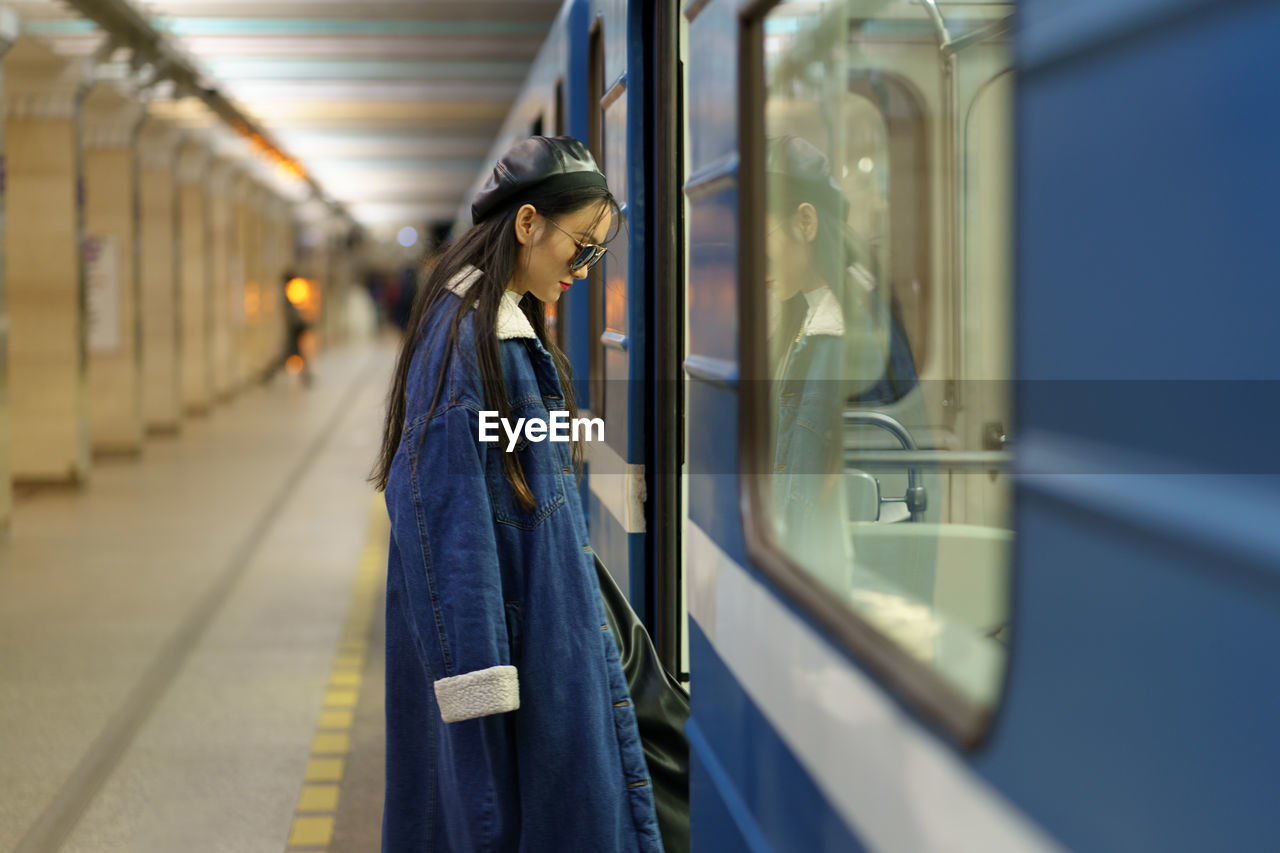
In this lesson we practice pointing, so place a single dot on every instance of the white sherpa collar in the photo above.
(511, 321)
(824, 316)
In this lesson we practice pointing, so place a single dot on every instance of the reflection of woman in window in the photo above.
(828, 344)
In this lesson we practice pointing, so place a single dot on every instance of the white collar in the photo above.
(824, 316)
(511, 321)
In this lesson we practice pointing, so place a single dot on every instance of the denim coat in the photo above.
(810, 509)
(509, 725)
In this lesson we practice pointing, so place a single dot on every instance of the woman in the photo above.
(509, 724)
(832, 343)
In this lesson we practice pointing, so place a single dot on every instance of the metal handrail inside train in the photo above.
(916, 498)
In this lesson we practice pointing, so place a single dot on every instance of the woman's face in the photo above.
(548, 250)
(787, 248)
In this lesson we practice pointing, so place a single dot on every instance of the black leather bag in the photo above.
(662, 707)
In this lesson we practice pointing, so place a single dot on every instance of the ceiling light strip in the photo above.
(126, 26)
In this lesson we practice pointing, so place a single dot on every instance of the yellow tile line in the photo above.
(324, 770)
(318, 798)
(334, 719)
(314, 816)
(311, 831)
(331, 743)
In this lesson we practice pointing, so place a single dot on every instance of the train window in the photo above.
(881, 293)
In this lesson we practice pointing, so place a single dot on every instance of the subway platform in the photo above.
(191, 643)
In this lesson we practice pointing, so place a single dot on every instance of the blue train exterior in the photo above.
(1136, 704)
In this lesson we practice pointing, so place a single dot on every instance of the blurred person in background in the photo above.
(294, 356)
(401, 304)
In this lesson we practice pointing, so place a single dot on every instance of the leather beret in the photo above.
(545, 163)
(805, 172)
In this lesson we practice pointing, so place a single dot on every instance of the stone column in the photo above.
(269, 283)
(8, 34)
(253, 352)
(196, 342)
(313, 262)
(237, 267)
(159, 263)
(221, 199)
(333, 274)
(43, 213)
(329, 257)
(335, 290)
(279, 264)
(109, 121)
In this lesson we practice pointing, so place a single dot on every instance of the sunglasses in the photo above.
(589, 254)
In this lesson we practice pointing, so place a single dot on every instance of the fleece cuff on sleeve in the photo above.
(495, 690)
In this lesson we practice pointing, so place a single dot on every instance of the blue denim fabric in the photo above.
(809, 509)
(476, 581)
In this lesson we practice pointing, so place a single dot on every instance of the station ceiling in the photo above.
(390, 105)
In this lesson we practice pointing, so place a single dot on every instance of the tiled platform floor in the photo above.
(167, 632)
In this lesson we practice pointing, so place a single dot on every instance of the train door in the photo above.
(849, 540)
(668, 334)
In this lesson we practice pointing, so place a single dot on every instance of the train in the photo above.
(937, 376)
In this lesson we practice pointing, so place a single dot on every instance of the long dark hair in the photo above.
(799, 174)
(492, 248)
(829, 253)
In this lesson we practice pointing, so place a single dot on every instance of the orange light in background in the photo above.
(252, 299)
(297, 291)
(291, 168)
(307, 343)
(293, 364)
